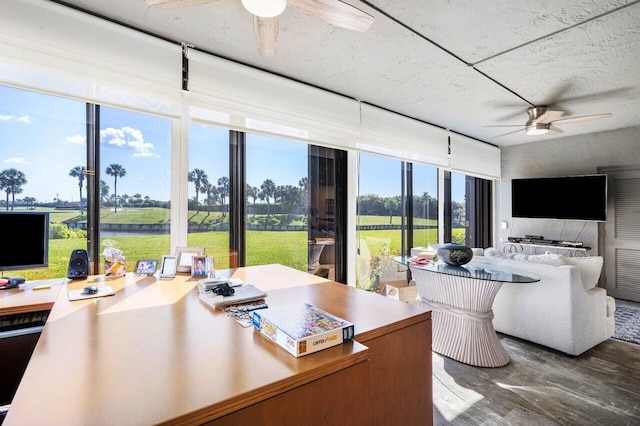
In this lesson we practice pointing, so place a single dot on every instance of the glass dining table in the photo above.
(461, 299)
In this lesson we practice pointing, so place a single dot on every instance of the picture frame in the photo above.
(169, 266)
(184, 255)
(199, 266)
(146, 266)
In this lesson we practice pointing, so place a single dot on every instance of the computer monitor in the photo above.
(28, 246)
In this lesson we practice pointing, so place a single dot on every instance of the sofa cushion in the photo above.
(493, 252)
(477, 251)
(547, 259)
(590, 269)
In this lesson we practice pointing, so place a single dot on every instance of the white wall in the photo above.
(575, 155)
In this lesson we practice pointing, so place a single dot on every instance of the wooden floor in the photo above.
(541, 386)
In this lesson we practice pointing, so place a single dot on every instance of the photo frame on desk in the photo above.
(199, 267)
(168, 268)
(146, 266)
(185, 256)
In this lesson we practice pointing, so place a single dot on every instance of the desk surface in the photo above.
(15, 301)
(154, 353)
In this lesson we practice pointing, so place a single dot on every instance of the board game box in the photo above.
(302, 329)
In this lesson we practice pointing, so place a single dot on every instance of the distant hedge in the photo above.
(60, 231)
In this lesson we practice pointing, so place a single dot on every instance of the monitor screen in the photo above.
(29, 246)
(570, 198)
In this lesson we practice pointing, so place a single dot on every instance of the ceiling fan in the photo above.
(266, 12)
(543, 120)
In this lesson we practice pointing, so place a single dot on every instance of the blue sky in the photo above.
(44, 137)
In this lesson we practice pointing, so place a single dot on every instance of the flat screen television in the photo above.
(28, 247)
(569, 198)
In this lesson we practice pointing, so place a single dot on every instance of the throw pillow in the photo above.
(477, 251)
(546, 259)
(493, 252)
(590, 269)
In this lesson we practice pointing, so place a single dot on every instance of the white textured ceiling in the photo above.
(460, 65)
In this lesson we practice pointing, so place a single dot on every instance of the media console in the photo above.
(517, 244)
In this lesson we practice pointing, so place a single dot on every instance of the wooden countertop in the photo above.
(154, 353)
(15, 301)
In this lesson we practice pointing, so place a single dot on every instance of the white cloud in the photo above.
(77, 139)
(16, 160)
(24, 118)
(130, 138)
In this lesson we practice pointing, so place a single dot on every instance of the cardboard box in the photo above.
(401, 290)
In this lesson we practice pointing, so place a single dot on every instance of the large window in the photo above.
(425, 205)
(398, 205)
(209, 195)
(42, 140)
(277, 197)
(106, 174)
(380, 221)
(135, 180)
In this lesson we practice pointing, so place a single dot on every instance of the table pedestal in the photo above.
(462, 317)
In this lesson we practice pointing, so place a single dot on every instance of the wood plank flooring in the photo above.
(541, 386)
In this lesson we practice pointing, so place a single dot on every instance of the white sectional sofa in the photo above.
(564, 311)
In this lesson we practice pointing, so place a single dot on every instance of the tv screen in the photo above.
(29, 245)
(569, 198)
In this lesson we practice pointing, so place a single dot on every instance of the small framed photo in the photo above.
(146, 267)
(185, 256)
(169, 265)
(199, 266)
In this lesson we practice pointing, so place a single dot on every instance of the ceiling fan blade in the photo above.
(266, 34)
(509, 133)
(555, 129)
(549, 116)
(335, 12)
(169, 4)
(582, 118)
(505, 125)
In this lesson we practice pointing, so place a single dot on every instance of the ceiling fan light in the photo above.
(537, 129)
(265, 8)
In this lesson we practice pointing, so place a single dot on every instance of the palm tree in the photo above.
(11, 181)
(199, 179)
(115, 170)
(223, 191)
(252, 192)
(267, 191)
(29, 201)
(104, 190)
(79, 172)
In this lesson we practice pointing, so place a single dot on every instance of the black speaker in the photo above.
(78, 265)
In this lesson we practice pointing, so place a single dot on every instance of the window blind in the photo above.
(48, 47)
(473, 157)
(58, 50)
(393, 135)
(253, 100)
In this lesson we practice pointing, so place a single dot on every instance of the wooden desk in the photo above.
(155, 354)
(16, 301)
